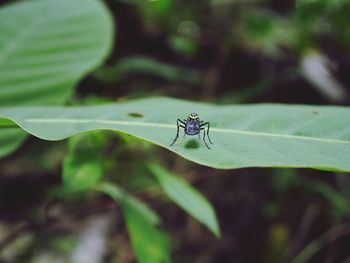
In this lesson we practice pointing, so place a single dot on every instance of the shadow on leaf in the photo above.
(192, 144)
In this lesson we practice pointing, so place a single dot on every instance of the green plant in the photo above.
(47, 47)
(263, 135)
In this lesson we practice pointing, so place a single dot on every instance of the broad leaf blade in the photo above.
(265, 135)
(46, 46)
(150, 243)
(187, 197)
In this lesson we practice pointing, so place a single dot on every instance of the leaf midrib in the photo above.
(163, 125)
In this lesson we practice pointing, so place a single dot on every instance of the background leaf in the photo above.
(46, 47)
(263, 135)
(150, 243)
(187, 197)
(10, 140)
(83, 166)
(147, 66)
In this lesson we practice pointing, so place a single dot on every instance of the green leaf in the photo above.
(46, 47)
(147, 65)
(263, 135)
(340, 205)
(150, 243)
(83, 166)
(187, 197)
(11, 140)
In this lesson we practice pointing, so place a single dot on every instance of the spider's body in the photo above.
(192, 126)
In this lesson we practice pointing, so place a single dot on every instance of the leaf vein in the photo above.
(163, 125)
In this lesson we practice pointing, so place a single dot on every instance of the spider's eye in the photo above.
(193, 116)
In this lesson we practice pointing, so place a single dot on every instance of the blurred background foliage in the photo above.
(54, 204)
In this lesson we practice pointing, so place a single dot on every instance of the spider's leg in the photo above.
(177, 133)
(177, 130)
(200, 125)
(208, 126)
(182, 126)
(204, 138)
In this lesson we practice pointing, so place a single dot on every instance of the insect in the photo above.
(192, 126)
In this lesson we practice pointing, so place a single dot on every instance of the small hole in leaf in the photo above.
(135, 115)
(192, 144)
(315, 112)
